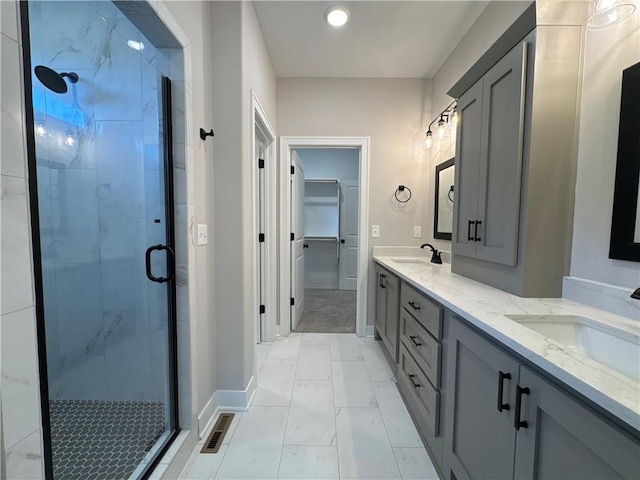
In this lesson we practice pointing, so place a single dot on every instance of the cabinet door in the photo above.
(380, 301)
(501, 158)
(468, 135)
(565, 439)
(391, 323)
(479, 439)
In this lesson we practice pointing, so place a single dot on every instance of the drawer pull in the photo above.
(413, 339)
(519, 392)
(501, 378)
(415, 385)
(414, 306)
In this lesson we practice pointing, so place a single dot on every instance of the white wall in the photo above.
(607, 53)
(390, 111)
(340, 163)
(241, 63)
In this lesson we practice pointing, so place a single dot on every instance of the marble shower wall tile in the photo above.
(20, 384)
(11, 116)
(17, 292)
(24, 460)
(120, 169)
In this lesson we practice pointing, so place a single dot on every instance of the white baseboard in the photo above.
(371, 330)
(225, 401)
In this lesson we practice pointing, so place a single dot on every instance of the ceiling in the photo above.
(383, 39)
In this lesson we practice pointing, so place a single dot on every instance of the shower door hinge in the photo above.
(262, 309)
(293, 301)
(261, 163)
(293, 236)
(293, 170)
(261, 237)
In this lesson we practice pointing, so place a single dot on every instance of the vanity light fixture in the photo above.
(70, 141)
(428, 142)
(447, 118)
(336, 15)
(609, 12)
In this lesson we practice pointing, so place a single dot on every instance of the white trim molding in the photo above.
(224, 401)
(260, 120)
(287, 144)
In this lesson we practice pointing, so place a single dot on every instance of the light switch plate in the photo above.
(203, 235)
(417, 231)
(375, 231)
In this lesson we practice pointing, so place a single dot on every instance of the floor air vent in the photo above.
(214, 442)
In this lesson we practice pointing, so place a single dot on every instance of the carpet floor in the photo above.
(328, 311)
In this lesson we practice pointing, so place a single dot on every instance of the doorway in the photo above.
(329, 207)
(324, 212)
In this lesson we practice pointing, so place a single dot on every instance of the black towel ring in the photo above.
(449, 193)
(402, 188)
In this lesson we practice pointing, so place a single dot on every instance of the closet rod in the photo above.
(322, 239)
(321, 180)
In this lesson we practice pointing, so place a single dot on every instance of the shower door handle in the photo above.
(170, 260)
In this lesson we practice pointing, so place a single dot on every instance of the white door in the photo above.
(297, 245)
(260, 155)
(349, 194)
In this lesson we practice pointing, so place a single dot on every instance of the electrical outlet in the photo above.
(203, 235)
(375, 231)
(417, 231)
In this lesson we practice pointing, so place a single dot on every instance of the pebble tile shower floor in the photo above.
(102, 439)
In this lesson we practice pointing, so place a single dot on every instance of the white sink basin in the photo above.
(610, 346)
(410, 261)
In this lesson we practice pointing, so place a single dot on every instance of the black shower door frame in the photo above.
(37, 258)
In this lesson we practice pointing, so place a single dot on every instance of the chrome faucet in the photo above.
(435, 254)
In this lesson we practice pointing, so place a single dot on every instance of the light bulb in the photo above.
(609, 12)
(40, 130)
(69, 141)
(336, 16)
(428, 141)
(441, 131)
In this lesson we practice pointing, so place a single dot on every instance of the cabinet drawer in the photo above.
(426, 312)
(425, 398)
(424, 348)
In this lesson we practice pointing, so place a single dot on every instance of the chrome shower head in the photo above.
(53, 80)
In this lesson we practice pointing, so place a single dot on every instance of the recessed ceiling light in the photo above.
(136, 45)
(336, 16)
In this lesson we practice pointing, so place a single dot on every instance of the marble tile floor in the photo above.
(326, 407)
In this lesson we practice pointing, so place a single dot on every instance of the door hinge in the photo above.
(261, 237)
(293, 236)
(262, 309)
(293, 170)
(293, 301)
(261, 163)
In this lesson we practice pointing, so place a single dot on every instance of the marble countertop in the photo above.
(485, 307)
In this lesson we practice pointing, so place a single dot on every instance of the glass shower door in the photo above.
(105, 209)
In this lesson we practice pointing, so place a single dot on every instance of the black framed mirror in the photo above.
(443, 214)
(625, 221)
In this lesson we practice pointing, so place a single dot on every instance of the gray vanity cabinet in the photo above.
(565, 439)
(505, 421)
(489, 162)
(386, 316)
(479, 440)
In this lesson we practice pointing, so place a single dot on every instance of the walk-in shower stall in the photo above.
(99, 144)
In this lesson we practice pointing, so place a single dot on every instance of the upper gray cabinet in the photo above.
(489, 162)
(515, 161)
